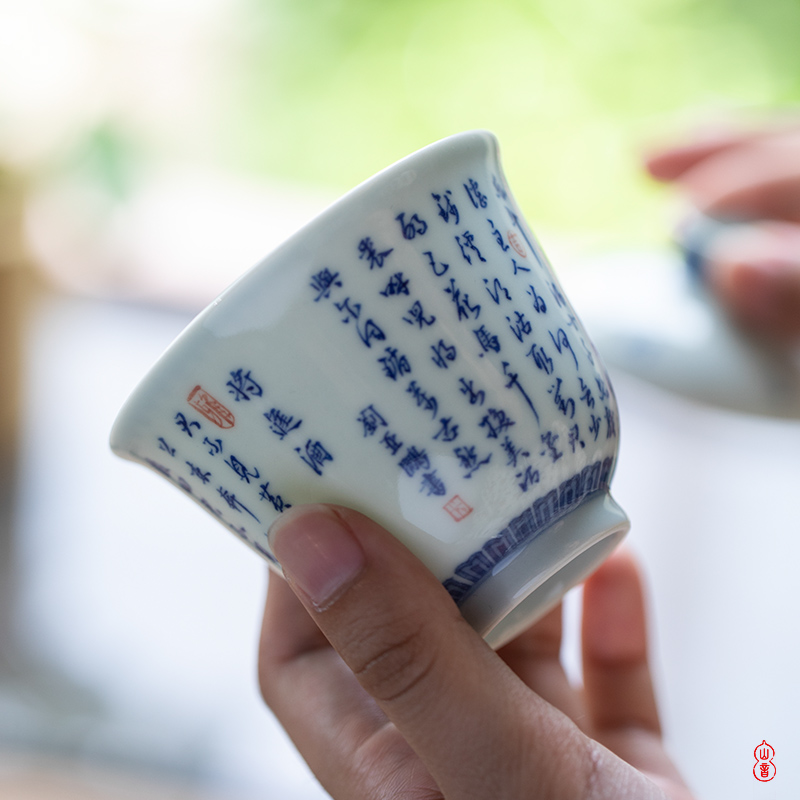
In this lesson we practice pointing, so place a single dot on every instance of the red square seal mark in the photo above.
(457, 508)
(515, 242)
(210, 408)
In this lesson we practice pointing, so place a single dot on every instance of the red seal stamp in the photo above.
(457, 508)
(210, 408)
(515, 242)
(764, 769)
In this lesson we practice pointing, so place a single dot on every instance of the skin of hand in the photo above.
(752, 179)
(388, 693)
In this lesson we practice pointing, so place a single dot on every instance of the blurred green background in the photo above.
(326, 92)
(573, 88)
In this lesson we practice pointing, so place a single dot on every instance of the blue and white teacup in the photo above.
(410, 354)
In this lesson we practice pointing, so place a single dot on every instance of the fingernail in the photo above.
(318, 553)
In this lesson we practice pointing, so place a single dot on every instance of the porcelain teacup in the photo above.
(409, 353)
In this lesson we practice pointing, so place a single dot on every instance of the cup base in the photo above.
(524, 587)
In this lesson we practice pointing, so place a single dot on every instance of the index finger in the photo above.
(737, 177)
(759, 181)
(670, 163)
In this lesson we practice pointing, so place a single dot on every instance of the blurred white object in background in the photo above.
(653, 319)
(177, 240)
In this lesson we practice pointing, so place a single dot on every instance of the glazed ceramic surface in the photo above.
(410, 354)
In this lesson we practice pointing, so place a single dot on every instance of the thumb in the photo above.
(479, 730)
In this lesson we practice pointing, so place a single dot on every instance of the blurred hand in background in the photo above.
(751, 179)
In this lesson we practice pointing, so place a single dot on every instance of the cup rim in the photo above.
(453, 147)
(456, 146)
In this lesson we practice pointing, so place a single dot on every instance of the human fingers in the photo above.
(763, 295)
(618, 686)
(758, 181)
(670, 163)
(478, 729)
(616, 676)
(344, 737)
(754, 270)
(737, 174)
(535, 656)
